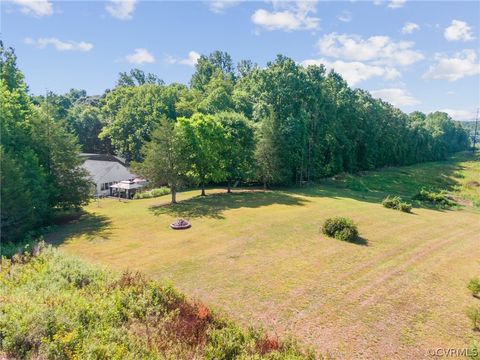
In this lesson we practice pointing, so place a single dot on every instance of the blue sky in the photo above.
(416, 54)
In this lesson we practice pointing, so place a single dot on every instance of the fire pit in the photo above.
(180, 224)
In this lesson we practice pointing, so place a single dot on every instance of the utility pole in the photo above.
(475, 132)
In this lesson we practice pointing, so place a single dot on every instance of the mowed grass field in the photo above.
(260, 257)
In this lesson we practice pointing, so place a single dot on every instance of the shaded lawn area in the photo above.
(261, 258)
(90, 225)
(214, 205)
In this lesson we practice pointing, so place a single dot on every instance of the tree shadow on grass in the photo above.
(360, 241)
(212, 206)
(92, 226)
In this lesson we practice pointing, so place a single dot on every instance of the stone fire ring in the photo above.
(180, 224)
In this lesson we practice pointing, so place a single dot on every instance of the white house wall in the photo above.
(106, 172)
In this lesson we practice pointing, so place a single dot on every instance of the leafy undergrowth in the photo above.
(148, 194)
(59, 307)
(455, 178)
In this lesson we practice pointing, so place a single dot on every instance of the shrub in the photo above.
(473, 314)
(340, 228)
(405, 207)
(439, 199)
(57, 307)
(152, 193)
(474, 286)
(224, 344)
(396, 203)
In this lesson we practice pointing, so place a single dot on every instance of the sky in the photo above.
(418, 55)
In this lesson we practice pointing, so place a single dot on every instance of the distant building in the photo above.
(108, 170)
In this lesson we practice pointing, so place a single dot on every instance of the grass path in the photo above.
(260, 258)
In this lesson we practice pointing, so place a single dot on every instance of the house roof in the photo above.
(102, 157)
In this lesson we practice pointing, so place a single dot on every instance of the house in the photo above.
(108, 170)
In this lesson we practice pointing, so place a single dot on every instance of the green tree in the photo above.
(137, 77)
(207, 66)
(58, 105)
(245, 68)
(217, 94)
(58, 152)
(38, 153)
(266, 154)
(201, 139)
(86, 123)
(16, 208)
(238, 149)
(131, 114)
(163, 161)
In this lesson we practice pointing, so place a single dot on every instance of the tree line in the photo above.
(300, 124)
(282, 124)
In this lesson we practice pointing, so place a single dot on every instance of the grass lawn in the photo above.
(260, 257)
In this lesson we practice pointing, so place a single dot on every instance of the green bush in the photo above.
(9, 249)
(396, 203)
(57, 307)
(473, 313)
(474, 286)
(152, 193)
(340, 228)
(436, 198)
(225, 344)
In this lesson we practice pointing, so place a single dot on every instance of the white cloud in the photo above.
(377, 49)
(396, 96)
(34, 7)
(458, 31)
(462, 64)
(345, 16)
(190, 60)
(396, 4)
(140, 56)
(121, 9)
(219, 6)
(59, 44)
(288, 16)
(392, 4)
(355, 72)
(410, 27)
(460, 115)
